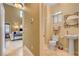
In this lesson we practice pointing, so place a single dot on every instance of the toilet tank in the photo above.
(55, 38)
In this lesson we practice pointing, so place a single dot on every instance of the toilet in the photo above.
(52, 43)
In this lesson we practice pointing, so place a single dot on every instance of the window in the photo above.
(7, 28)
(57, 18)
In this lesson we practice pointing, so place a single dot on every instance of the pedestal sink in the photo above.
(71, 39)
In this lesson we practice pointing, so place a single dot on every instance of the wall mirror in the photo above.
(71, 19)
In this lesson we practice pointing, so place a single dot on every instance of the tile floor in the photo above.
(15, 48)
(51, 52)
(46, 51)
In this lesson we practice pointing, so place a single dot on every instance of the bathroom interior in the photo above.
(62, 29)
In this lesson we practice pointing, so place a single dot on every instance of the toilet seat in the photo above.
(52, 43)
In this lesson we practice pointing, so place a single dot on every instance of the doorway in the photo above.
(13, 31)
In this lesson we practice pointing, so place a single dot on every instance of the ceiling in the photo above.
(51, 4)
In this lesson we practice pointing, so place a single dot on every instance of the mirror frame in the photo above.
(65, 18)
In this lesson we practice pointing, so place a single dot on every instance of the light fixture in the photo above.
(58, 13)
(21, 13)
(18, 5)
(16, 25)
(21, 26)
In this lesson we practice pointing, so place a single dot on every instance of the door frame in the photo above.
(2, 16)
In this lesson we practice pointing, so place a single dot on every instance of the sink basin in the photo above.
(72, 37)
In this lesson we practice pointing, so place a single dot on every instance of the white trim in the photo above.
(2, 28)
